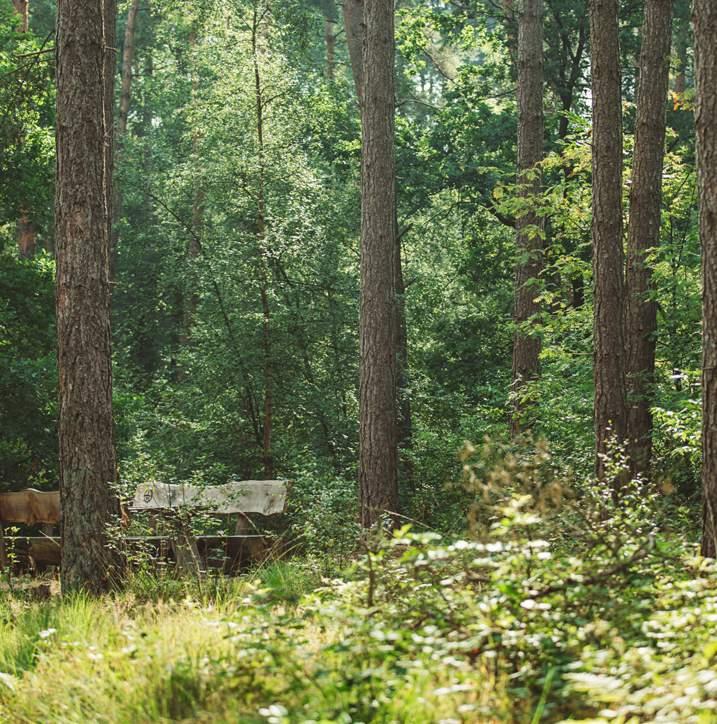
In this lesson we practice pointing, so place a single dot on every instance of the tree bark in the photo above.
(125, 98)
(90, 558)
(644, 230)
(704, 16)
(329, 10)
(681, 47)
(26, 231)
(355, 31)
(529, 225)
(22, 8)
(378, 449)
(109, 10)
(609, 348)
(127, 61)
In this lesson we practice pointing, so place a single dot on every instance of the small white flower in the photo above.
(47, 633)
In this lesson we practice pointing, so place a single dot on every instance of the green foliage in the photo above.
(27, 370)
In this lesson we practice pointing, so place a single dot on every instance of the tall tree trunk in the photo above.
(644, 230)
(190, 296)
(127, 61)
(109, 10)
(609, 348)
(125, 97)
(378, 449)
(26, 231)
(704, 16)
(90, 558)
(681, 48)
(529, 226)
(355, 31)
(268, 419)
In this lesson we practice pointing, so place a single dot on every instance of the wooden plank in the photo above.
(41, 549)
(267, 497)
(237, 550)
(30, 506)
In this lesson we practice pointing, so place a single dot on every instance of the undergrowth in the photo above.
(560, 603)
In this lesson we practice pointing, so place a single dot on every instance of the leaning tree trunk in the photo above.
(705, 23)
(529, 225)
(378, 449)
(644, 232)
(90, 560)
(609, 348)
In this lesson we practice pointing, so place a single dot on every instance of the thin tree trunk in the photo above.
(529, 225)
(125, 98)
(644, 231)
(378, 449)
(22, 8)
(190, 301)
(330, 17)
(704, 16)
(355, 31)
(608, 263)
(90, 558)
(268, 421)
(26, 231)
(109, 9)
(127, 61)
(681, 46)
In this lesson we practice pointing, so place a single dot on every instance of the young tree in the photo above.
(529, 225)
(82, 216)
(378, 448)
(26, 232)
(609, 347)
(644, 230)
(704, 16)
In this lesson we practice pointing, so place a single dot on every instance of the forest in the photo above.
(358, 361)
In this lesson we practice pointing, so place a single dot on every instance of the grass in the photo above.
(262, 648)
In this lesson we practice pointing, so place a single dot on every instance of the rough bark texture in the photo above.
(609, 348)
(87, 457)
(644, 231)
(378, 458)
(705, 25)
(526, 344)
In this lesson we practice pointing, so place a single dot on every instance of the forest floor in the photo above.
(417, 629)
(261, 648)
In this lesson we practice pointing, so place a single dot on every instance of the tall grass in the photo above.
(256, 649)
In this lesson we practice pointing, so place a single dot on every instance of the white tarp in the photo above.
(246, 496)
